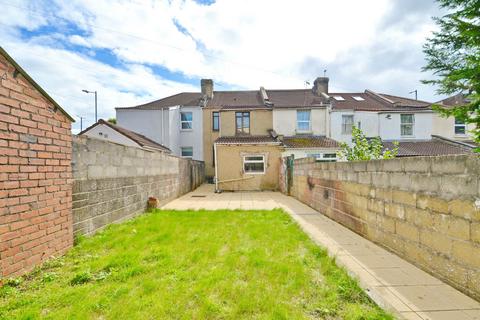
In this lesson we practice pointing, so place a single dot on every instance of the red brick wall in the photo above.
(35, 176)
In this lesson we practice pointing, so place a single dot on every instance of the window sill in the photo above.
(303, 132)
(186, 130)
(254, 173)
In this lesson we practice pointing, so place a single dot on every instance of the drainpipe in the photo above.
(216, 167)
(163, 127)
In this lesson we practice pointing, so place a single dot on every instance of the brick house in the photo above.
(35, 172)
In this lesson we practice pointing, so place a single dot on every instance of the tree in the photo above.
(365, 149)
(112, 120)
(453, 55)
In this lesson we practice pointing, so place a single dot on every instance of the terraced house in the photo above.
(241, 135)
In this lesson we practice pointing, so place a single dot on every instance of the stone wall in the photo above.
(425, 209)
(35, 174)
(112, 182)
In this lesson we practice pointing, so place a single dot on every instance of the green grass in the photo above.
(191, 265)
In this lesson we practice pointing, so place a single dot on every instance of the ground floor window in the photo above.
(323, 157)
(187, 152)
(254, 164)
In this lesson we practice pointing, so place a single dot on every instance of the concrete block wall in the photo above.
(425, 209)
(112, 182)
(35, 175)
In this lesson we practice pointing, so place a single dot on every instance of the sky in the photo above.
(136, 51)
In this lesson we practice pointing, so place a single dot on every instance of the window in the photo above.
(358, 98)
(242, 122)
(215, 121)
(338, 98)
(187, 152)
(460, 127)
(303, 120)
(323, 157)
(347, 123)
(213, 155)
(406, 124)
(254, 164)
(186, 120)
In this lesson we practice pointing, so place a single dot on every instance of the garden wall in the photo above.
(425, 209)
(112, 182)
(35, 173)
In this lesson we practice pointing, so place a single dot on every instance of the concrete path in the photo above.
(393, 283)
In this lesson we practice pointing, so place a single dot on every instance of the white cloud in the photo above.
(364, 44)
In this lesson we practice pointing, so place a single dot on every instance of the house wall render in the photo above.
(423, 209)
(112, 182)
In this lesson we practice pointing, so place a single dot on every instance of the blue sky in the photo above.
(136, 51)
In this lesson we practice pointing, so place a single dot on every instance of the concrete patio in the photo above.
(393, 283)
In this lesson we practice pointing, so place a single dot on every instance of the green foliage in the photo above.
(112, 120)
(453, 55)
(192, 265)
(365, 149)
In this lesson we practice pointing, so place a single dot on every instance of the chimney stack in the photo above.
(207, 88)
(320, 86)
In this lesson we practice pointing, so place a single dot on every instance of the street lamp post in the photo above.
(95, 92)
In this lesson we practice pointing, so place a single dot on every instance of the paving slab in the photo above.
(393, 283)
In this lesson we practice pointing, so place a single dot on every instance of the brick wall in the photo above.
(35, 175)
(423, 209)
(112, 182)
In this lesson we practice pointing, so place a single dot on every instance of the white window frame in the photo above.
(245, 160)
(320, 157)
(345, 124)
(181, 152)
(186, 121)
(407, 124)
(305, 121)
(459, 125)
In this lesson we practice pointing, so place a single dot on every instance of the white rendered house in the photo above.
(175, 122)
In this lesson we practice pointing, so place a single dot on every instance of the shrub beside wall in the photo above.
(423, 209)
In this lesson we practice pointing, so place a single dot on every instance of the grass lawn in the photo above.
(191, 265)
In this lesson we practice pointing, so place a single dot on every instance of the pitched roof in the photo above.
(305, 141)
(246, 139)
(138, 138)
(295, 98)
(180, 99)
(371, 101)
(33, 83)
(236, 98)
(453, 101)
(433, 147)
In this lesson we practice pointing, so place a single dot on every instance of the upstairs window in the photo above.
(242, 122)
(407, 121)
(186, 119)
(303, 120)
(215, 121)
(460, 127)
(347, 123)
(254, 164)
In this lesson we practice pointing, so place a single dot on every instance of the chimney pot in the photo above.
(320, 85)
(207, 88)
